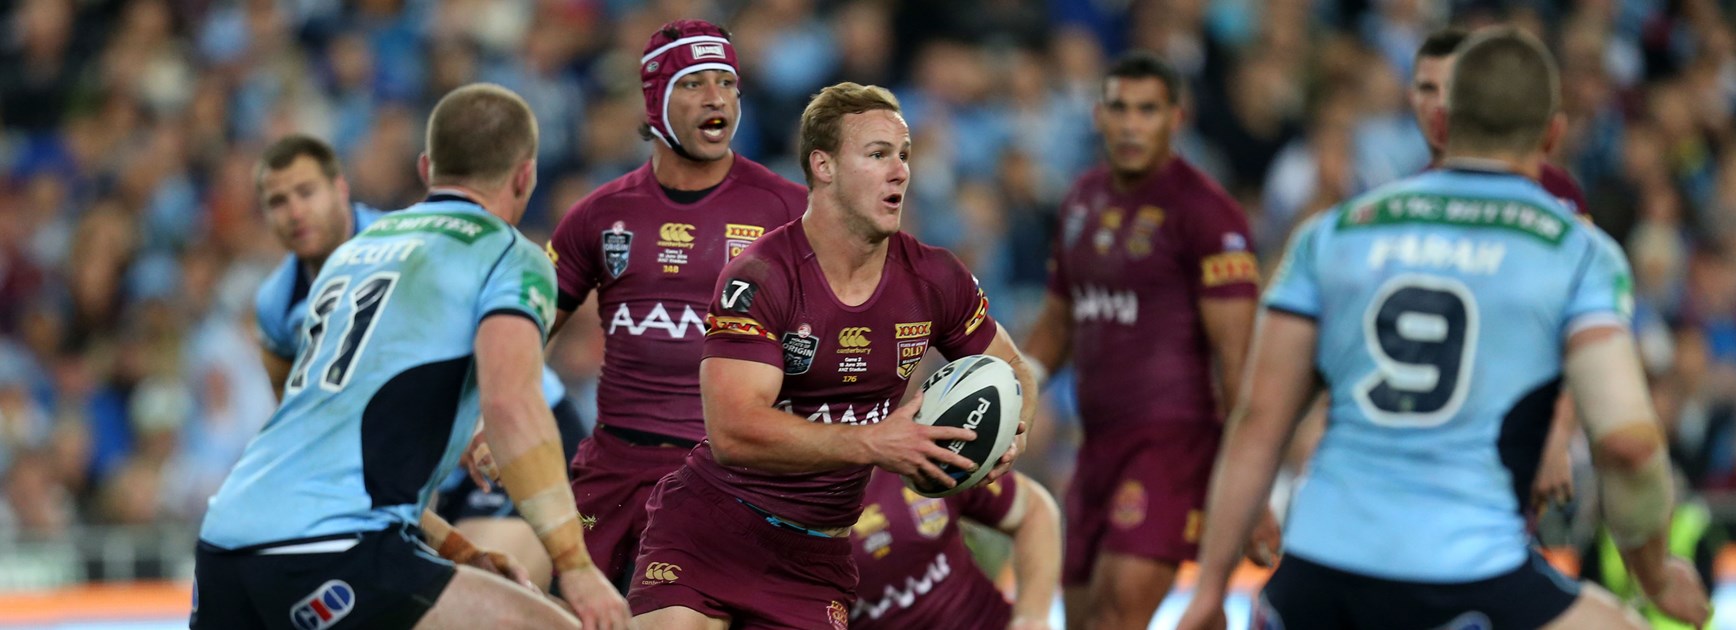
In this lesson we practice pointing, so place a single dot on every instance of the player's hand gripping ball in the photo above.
(979, 393)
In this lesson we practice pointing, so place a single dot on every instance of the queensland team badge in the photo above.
(930, 515)
(912, 344)
(617, 244)
(737, 237)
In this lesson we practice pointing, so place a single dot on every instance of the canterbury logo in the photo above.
(662, 571)
(677, 232)
(853, 337)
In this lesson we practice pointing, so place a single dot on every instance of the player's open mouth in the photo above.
(893, 200)
(713, 128)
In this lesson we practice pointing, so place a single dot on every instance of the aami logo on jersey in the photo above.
(1097, 304)
(657, 319)
(841, 413)
(737, 237)
(675, 235)
(328, 604)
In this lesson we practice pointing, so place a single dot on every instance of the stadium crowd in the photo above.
(131, 238)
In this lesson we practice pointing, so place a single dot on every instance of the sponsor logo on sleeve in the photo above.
(799, 350)
(661, 573)
(738, 295)
(737, 237)
(554, 256)
(325, 607)
(982, 312)
(1229, 268)
(735, 326)
(617, 244)
(537, 293)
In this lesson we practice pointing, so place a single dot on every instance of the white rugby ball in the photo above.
(979, 393)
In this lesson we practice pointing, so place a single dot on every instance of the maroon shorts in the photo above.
(612, 480)
(707, 551)
(1139, 492)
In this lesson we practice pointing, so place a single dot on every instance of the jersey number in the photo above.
(365, 303)
(1421, 331)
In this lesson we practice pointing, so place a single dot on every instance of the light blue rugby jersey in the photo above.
(382, 400)
(1443, 303)
(281, 303)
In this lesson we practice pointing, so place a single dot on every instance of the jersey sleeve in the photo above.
(1217, 245)
(271, 316)
(520, 283)
(573, 252)
(964, 327)
(1602, 292)
(988, 503)
(1295, 288)
(748, 308)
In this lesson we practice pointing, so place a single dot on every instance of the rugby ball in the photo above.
(979, 393)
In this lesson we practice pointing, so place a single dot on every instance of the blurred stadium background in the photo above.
(131, 241)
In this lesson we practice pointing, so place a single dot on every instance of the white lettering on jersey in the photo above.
(876, 413)
(1467, 255)
(376, 253)
(659, 319)
(914, 586)
(1093, 303)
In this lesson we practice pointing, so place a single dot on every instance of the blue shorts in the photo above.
(1303, 595)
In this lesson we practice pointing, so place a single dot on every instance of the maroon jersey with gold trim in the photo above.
(841, 364)
(915, 569)
(1135, 265)
(653, 263)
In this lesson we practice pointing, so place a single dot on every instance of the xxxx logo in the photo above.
(853, 339)
(675, 235)
(662, 572)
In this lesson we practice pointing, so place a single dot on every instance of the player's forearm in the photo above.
(1036, 553)
(1241, 483)
(527, 449)
(1023, 370)
(1050, 339)
(1637, 495)
(764, 438)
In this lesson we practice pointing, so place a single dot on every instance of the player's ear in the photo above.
(524, 179)
(342, 185)
(1554, 132)
(425, 169)
(821, 164)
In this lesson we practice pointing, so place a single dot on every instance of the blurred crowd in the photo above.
(131, 239)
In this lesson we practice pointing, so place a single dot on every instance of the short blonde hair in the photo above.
(823, 120)
(479, 133)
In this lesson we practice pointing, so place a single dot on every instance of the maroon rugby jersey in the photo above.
(842, 364)
(915, 569)
(654, 263)
(1135, 264)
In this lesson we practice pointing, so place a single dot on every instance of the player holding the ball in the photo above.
(812, 338)
(1151, 284)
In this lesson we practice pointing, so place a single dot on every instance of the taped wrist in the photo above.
(537, 482)
(455, 547)
(1636, 503)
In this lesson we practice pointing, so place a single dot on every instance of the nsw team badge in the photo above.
(325, 607)
(617, 244)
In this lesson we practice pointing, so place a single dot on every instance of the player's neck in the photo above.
(674, 171)
(851, 262)
(1123, 181)
(493, 203)
(1529, 165)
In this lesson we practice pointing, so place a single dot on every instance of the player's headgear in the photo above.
(678, 49)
